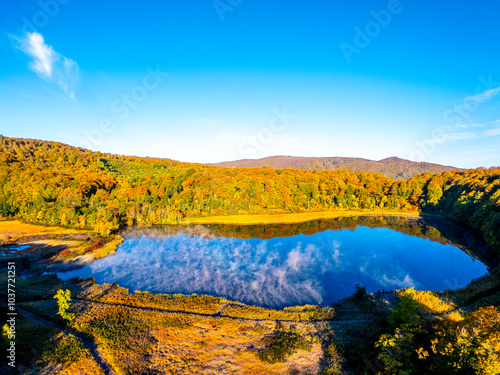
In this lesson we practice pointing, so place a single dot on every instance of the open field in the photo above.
(14, 230)
(292, 218)
(39, 248)
(140, 332)
(144, 333)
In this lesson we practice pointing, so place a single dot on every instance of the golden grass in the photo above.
(78, 248)
(306, 312)
(114, 294)
(292, 217)
(108, 248)
(428, 300)
(148, 333)
(198, 304)
(15, 229)
(69, 357)
(454, 316)
(12, 231)
(135, 341)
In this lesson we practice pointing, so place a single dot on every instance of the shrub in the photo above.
(335, 360)
(360, 292)
(281, 345)
(63, 301)
(404, 313)
(469, 346)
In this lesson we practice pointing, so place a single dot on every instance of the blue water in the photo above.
(9, 250)
(284, 271)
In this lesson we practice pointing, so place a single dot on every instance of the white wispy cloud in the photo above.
(48, 64)
(491, 133)
(459, 136)
(470, 103)
(455, 136)
(484, 96)
(456, 133)
(465, 126)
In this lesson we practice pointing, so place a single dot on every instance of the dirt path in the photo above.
(219, 315)
(222, 308)
(87, 341)
(390, 299)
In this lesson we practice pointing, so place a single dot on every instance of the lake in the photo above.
(275, 266)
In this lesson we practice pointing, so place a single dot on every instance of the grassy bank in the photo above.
(293, 217)
(154, 333)
(15, 230)
(49, 247)
(140, 332)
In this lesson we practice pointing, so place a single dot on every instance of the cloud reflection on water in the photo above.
(277, 272)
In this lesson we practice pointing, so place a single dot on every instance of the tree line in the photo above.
(56, 184)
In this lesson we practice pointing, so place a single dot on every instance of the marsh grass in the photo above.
(282, 344)
(55, 244)
(111, 293)
(298, 217)
(480, 292)
(307, 312)
(431, 302)
(46, 350)
(15, 230)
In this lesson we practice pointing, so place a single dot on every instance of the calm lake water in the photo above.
(284, 265)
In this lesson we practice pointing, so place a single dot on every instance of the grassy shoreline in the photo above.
(128, 327)
(291, 217)
(52, 247)
(203, 334)
(190, 332)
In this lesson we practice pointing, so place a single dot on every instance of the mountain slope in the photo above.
(391, 167)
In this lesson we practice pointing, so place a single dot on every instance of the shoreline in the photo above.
(288, 218)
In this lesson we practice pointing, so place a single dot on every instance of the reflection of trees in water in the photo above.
(435, 229)
(271, 265)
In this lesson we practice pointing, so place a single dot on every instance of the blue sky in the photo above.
(210, 81)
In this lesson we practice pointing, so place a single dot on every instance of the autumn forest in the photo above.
(55, 184)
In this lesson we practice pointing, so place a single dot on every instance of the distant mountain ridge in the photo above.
(391, 167)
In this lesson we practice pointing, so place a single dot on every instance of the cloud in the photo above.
(336, 252)
(48, 64)
(402, 281)
(464, 126)
(471, 103)
(460, 136)
(484, 96)
(449, 137)
(491, 133)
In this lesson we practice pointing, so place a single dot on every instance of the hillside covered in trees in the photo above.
(392, 167)
(52, 183)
